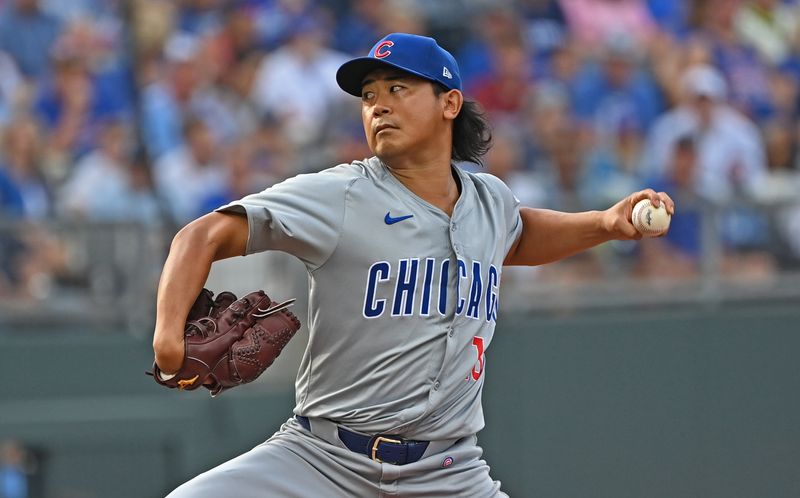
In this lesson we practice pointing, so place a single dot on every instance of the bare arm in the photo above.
(210, 238)
(549, 236)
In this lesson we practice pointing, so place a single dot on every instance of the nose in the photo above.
(380, 109)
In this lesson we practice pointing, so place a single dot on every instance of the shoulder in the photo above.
(675, 122)
(326, 185)
(340, 175)
(176, 156)
(490, 188)
(90, 163)
(348, 171)
(489, 183)
(735, 121)
(677, 115)
(332, 58)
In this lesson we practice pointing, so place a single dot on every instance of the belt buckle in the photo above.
(377, 441)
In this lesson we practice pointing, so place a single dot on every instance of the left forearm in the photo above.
(549, 236)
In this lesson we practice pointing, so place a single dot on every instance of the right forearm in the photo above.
(182, 279)
(210, 238)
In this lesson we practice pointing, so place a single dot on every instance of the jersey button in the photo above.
(453, 227)
(436, 385)
(449, 331)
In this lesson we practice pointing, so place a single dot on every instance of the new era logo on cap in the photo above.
(418, 55)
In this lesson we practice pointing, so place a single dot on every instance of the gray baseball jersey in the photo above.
(403, 299)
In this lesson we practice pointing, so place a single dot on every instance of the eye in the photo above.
(367, 95)
(395, 88)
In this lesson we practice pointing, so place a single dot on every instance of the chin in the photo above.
(387, 150)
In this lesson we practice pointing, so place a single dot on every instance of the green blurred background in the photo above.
(692, 401)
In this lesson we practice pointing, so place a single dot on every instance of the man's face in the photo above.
(27, 6)
(704, 108)
(400, 113)
(202, 144)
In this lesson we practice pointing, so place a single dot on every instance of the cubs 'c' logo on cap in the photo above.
(380, 53)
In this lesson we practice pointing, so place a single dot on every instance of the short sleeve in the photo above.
(509, 208)
(301, 216)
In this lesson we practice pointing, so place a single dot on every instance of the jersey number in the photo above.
(478, 343)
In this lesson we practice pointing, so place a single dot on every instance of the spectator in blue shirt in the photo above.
(616, 85)
(11, 204)
(13, 478)
(356, 29)
(28, 34)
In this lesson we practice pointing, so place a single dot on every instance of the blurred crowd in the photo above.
(157, 111)
(18, 465)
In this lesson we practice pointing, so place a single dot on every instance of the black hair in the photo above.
(472, 134)
(686, 143)
(191, 124)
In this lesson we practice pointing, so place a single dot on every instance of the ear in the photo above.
(451, 104)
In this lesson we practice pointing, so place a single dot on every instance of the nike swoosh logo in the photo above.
(391, 221)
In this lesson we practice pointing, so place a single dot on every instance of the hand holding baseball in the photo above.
(649, 220)
(646, 213)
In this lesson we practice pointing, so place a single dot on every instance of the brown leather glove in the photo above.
(229, 342)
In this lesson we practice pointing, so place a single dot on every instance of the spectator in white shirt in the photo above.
(770, 27)
(189, 174)
(297, 83)
(103, 186)
(731, 157)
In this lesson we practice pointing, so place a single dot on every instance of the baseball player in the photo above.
(405, 253)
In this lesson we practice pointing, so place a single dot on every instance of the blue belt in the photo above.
(382, 448)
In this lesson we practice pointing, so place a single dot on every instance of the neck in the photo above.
(433, 181)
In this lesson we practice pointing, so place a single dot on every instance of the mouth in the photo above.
(382, 127)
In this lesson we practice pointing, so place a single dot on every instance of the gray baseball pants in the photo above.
(296, 463)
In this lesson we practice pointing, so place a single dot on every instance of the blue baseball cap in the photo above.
(418, 55)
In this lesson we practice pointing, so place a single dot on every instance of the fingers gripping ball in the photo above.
(229, 341)
(649, 220)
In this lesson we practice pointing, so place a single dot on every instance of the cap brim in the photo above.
(352, 73)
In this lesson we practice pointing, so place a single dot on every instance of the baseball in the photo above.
(651, 221)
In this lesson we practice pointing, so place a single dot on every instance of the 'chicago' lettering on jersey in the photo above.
(415, 283)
